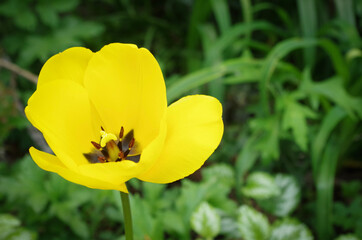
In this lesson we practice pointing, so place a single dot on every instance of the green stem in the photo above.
(127, 216)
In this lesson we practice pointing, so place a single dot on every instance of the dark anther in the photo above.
(102, 159)
(96, 145)
(126, 141)
(105, 153)
(91, 157)
(121, 133)
(119, 144)
(102, 128)
(121, 155)
(135, 158)
(131, 143)
(126, 152)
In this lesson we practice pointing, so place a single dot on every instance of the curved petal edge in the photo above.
(194, 131)
(51, 163)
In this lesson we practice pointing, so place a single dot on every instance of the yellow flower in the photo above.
(105, 117)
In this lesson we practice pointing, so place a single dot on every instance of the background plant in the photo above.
(289, 76)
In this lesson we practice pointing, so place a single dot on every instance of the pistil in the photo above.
(113, 150)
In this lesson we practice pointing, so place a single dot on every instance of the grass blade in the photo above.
(286, 47)
(198, 78)
(329, 123)
(200, 12)
(247, 15)
(345, 11)
(244, 162)
(325, 184)
(220, 8)
(308, 20)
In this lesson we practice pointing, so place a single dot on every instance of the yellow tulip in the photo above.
(105, 117)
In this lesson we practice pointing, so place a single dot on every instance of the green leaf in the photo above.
(270, 63)
(260, 185)
(348, 216)
(8, 221)
(190, 190)
(205, 221)
(69, 216)
(173, 222)
(351, 189)
(334, 90)
(347, 237)
(284, 48)
(148, 225)
(19, 187)
(20, 13)
(47, 15)
(62, 5)
(295, 117)
(288, 229)
(267, 130)
(211, 191)
(22, 234)
(72, 31)
(10, 229)
(152, 193)
(229, 228)
(252, 224)
(26, 20)
(48, 10)
(288, 199)
(220, 171)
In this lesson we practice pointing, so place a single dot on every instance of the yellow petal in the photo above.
(51, 163)
(69, 65)
(194, 130)
(127, 88)
(61, 111)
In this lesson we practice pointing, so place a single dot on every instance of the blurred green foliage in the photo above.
(289, 76)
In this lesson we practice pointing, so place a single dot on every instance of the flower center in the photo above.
(113, 149)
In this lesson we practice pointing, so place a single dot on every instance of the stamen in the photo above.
(126, 140)
(135, 158)
(113, 149)
(102, 159)
(96, 145)
(126, 153)
(131, 143)
(121, 133)
(91, 157)
(119, 144)
(105, 153)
